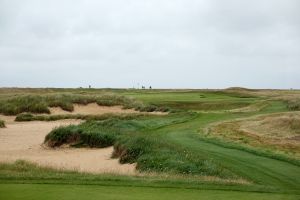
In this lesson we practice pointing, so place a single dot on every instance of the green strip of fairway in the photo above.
(90, 192)
(260, 169)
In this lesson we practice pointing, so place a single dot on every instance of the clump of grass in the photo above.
(294, 104)
(91, 134)
(30, 117)
(16, 105)
(40, 104)
(2, 124)
(152, 108)
(23, 117)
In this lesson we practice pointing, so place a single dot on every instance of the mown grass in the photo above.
(2, 124)
(206, 106)
(257, 151)
(23, 180)
(193, 99)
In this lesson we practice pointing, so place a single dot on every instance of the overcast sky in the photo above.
(163, 43)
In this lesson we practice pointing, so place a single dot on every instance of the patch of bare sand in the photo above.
(91, 109)
(95, 109)
(7, 119)
(23, 140)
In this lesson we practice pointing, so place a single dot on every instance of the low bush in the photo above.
(24, 117)
(2, 124)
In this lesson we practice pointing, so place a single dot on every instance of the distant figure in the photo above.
(143, 87)
(90, 86)
(150, 87)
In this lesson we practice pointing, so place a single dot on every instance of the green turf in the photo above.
(90, 192)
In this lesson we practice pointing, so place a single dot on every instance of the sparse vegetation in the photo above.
(2, 124)
(294, 104)
(40, 103)
(30, 117)
(278, 132)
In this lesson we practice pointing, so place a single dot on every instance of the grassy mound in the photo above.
(294, 104)
(91, 134)
(30, 117)
(283, 125)
(134, 143)
(272, 132)
(41, 103)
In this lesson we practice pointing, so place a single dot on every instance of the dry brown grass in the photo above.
(279, 132)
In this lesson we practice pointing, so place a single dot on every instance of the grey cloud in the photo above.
(169, 43)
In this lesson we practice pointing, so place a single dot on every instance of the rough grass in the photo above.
(2, 124)
(91, 134)
(133, 144)
(24, 170)
(40, 103)
(276, 132)
(294, 104)
(30, 117)
(15, 105)
(206, 106)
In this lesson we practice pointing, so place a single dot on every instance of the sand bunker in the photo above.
(23, 140)
(95, 109)
(91, 109)
(7, 119)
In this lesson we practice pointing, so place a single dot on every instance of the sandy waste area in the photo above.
(24, 140)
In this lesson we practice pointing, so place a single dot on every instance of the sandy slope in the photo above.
(23, 140)
(91, 109)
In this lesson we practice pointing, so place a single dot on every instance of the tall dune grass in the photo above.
(294, 104)
(41, 103)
